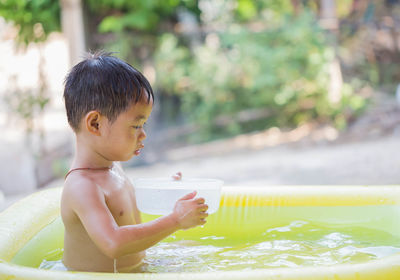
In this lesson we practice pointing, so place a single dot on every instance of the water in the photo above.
(299, 243)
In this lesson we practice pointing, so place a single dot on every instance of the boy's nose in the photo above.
(142, 135)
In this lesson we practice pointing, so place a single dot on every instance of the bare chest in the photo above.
(122, 205)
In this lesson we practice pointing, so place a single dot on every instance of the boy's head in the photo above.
(108, 102)
(106, 84)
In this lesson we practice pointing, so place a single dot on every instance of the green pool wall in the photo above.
(32, 230)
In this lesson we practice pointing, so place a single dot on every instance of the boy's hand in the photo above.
(190, 211)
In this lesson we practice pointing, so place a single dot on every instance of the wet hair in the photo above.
(104, 83)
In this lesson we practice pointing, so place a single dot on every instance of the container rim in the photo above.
(170, 182)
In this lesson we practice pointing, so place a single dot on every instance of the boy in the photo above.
(108, 102)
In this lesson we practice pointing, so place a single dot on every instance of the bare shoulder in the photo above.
(79, 191)
(76, 184)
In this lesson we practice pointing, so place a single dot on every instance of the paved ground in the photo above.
(372, 162)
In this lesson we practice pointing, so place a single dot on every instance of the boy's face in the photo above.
(123, 138)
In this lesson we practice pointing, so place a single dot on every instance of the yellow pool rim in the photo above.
(20, 222)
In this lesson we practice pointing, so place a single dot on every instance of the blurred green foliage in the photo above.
(119, 15)
(228, 66)
(248, 65)
(35, 19)
(283, 70)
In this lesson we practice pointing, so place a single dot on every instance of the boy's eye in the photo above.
(138, 126)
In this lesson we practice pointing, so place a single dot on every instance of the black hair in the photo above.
(104, 83)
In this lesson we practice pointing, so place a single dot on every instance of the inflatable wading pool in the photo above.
(31, 231)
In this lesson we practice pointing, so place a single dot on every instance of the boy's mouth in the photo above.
(137, 152)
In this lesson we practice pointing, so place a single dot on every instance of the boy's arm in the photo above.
(114, 241)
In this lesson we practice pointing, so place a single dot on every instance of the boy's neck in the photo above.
(87, 157)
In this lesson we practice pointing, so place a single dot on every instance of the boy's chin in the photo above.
(129, 156)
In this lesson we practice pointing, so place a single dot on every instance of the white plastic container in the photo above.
(158, 196)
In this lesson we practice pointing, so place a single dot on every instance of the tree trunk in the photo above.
(72, 26)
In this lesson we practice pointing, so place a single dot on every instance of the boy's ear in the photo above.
(92, 122)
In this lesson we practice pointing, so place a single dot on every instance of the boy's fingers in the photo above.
(200, 200)
(203, 208)
(203, 215)
(188, 196)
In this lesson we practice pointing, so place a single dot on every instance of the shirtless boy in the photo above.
(108, 102)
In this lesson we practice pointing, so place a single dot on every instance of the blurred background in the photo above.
(254, 92)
